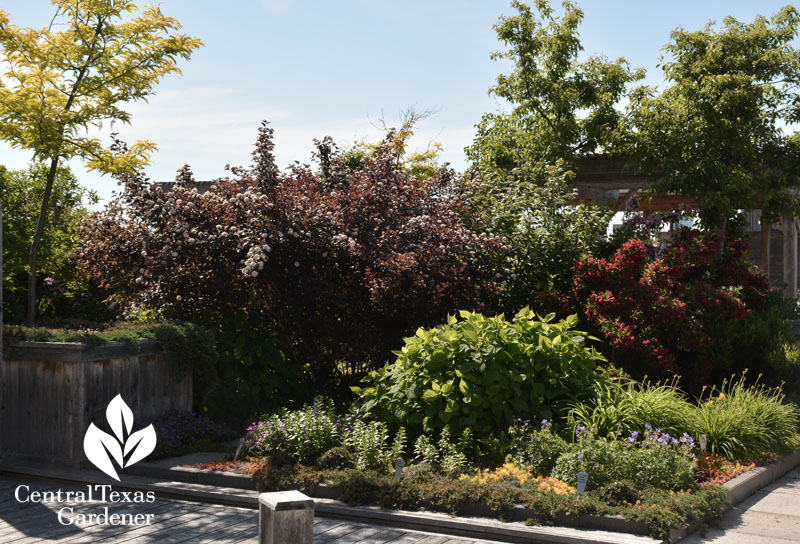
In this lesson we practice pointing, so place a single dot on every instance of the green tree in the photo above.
(21, 192)
(560, 107)
(59, 83)
(717, 132)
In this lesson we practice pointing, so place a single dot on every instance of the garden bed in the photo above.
(240, 474)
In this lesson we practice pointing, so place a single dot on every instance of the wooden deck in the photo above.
(174, 522)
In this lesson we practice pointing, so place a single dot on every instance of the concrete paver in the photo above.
(769, 516)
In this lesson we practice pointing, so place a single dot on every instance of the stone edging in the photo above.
(746, 484)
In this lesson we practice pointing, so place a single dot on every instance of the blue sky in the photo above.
(316, 68)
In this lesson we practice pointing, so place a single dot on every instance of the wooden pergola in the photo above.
(602, 178)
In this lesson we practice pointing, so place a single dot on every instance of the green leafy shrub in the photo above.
(654, 458)
(254, 372)
(483, 373)
(370, 440)
(303, 434)
(446, 456)
(190, 348)
(784, 365)
(538, 448)
(61, 289)
(744, 421)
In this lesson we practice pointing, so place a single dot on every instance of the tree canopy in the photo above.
(557, 108)
(560, 107)
(20, 193)
(60, 83)
(717, 132)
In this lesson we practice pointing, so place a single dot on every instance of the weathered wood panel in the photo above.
(50, 394)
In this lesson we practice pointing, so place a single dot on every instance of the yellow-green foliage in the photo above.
(77, 73)
(483, 372)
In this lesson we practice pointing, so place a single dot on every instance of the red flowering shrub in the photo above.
(672, 315)
(341, 261)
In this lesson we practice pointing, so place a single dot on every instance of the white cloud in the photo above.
(211, 126)
(277, 6)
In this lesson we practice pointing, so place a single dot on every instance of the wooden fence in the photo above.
(51, 392)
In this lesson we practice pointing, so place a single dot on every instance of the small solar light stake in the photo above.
(703, 441)
(583, 477)
(398, 469)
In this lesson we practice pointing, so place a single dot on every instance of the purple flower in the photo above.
(580, 457)
(544, 422)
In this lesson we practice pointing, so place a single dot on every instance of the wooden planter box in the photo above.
(50, 392)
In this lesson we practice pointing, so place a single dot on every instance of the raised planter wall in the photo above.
(51, 392)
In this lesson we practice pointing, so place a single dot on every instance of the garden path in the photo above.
(769, 516)
(174, 522)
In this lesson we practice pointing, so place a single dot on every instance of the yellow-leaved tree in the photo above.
(60, 83)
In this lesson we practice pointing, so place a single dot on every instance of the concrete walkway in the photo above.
(769, 516)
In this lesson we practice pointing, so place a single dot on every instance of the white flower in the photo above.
(297, 264)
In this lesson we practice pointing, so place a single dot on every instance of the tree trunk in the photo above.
(723, 224)
(37, 239)
(765, 245)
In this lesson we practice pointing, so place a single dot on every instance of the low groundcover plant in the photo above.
(646, 477)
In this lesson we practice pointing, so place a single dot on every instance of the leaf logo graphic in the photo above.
(101, 448)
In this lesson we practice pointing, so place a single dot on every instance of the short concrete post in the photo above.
(285, 517)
